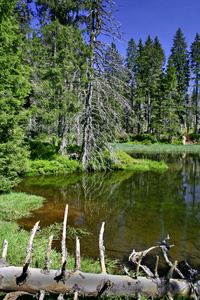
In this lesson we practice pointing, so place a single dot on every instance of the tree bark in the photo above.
(92, 285)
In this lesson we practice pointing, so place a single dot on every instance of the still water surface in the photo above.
(139, 209)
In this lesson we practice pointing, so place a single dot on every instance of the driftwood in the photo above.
(16, 281)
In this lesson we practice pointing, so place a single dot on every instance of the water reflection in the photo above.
(139, 208)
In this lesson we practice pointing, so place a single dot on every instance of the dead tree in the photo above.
(18, 281)
(104, 100)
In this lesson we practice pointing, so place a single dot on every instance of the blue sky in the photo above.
(140, 18)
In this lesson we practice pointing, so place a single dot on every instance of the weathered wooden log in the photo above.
(87, 284)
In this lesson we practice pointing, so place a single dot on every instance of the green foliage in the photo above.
(195, 137)
(14, 90)
(41, 150)
(73, 148)
(59, 165)
(143, 139)
(13, 162)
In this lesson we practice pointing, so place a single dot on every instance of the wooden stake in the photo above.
(21, 279)
(78, 256)
(30, 244)
(102, 249)
(75, 295)
(156, 267)
(63, 243)
(42, 295)
(48, 261)
(3, 262)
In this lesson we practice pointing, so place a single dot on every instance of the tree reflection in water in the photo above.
(139, 208)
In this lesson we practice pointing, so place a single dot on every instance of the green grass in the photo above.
(156, 148)
(15, 206)
(138, 165)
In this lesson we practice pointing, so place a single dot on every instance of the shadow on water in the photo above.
(139, 209)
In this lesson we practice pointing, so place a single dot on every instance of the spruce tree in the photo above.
(169, 93)
(153, 63)
(180, 58)
(55, 103)
(131, 66)
(15, 89)
(195, 68)
(139, 107)
(158, 57)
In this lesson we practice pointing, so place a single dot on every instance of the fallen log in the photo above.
(24, 280)
(95, 285)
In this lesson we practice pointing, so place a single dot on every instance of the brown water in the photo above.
(139, 209)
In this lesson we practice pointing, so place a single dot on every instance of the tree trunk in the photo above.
(63, 136)
(149, 114)
(90, 285)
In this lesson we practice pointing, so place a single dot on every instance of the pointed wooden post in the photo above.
(102, 249)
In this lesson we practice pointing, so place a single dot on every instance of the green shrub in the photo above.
(69, 165)
(73, 148)
(195, 137)
(60, 165)
(42, 150)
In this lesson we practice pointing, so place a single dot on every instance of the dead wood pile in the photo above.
(16, 281)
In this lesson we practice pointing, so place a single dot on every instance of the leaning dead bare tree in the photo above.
(104, 99)
(16, 281)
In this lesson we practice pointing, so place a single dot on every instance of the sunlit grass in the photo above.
(15, 206)
(138, 165)
(156, 148)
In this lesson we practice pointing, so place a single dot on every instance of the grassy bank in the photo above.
(64, 165)
(138, 165)
(14, 206)
(155, 148)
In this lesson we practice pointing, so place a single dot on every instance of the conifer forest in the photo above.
(62, 84)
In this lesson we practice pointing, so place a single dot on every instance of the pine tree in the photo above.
(179, 55)
(15, 89)
(195, 68)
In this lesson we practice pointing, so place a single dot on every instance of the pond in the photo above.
(139, 209)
